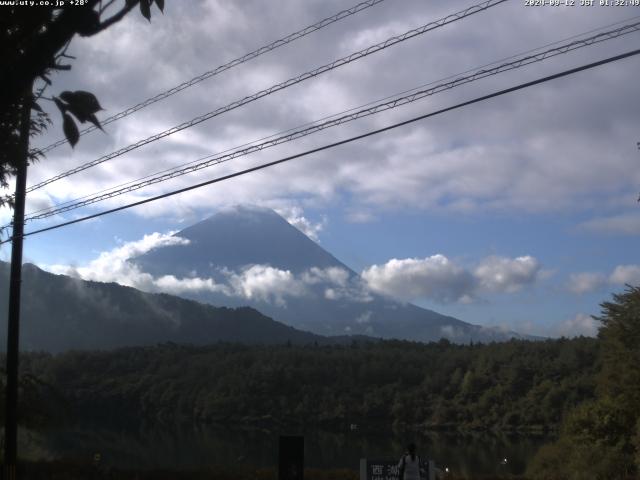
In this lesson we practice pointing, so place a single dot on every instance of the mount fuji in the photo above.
(251, 256)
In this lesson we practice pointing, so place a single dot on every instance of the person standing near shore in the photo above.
(409, 467)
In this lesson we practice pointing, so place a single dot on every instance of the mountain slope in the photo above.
(235, 238)
(59, 313)
(322, 294)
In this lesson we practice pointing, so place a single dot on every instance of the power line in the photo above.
(280, 86)
(314, 128)
(341, 142)
(353, 109)
(222, 68)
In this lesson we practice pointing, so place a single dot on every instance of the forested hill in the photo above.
(61, 313)
(510, 386)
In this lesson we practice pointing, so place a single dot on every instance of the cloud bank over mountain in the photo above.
(257, 282)
(193, 263)
(441, 279)
(437, 277)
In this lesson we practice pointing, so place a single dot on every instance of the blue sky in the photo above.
(532, 196)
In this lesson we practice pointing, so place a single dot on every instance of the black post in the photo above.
(291, 457)
(15, 282)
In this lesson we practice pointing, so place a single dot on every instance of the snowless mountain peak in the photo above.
(278, 270)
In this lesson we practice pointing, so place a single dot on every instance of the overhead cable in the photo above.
(335, 144)
(334, 115)
(222, 68)
(280, 86)
(353, 115)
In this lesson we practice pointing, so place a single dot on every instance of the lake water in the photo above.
(190, 448)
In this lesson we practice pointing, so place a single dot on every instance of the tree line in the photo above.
(517, 385)
(585, 390)
(600, 438)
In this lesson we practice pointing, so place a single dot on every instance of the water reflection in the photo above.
(190, 448)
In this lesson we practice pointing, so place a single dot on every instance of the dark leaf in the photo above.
(160, 4)
(61, 106)
(145, 9)
(35, 106)
(70, 130)
(66, 95)
(87, 101)
(93, 119)
(79, 114)
(82, 104)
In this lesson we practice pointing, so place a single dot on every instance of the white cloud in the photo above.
(625, 274)
(255, 282)
(342, 284)
(113, 265)
(500, 274)
(176, 286)
(370, 36)
(624, 223)
(581, 324)
(497, 157)
(449, 331)
(36, 201)
(331, 294)
(364, 318)
(265, 283)
(443, 280)
(585, 282)
(295, 216)
(334, 275)
(357, 292)
(434, 277)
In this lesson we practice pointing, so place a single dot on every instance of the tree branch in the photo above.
(104, 9)
(63, 52)
(118, 16)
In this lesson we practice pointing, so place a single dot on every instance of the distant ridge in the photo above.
(61, 313)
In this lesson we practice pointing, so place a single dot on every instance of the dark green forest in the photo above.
(586, 391)
(517, 385)
(600, 439)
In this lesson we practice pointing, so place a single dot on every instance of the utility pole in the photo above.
(15, 283)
